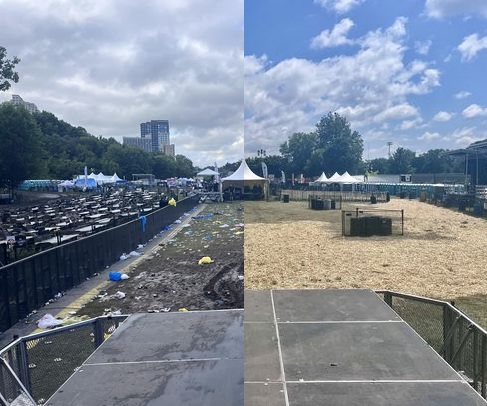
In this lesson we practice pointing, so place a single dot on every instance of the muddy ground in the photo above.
(169, 277)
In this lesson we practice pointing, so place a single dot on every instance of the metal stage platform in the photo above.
(164, 359)
(341, 348)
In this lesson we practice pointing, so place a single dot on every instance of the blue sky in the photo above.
(410, 71)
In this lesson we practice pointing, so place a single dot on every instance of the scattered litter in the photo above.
(123, 257)
(205, 260)
(172, 202)
(48, 321)
(178, 222)
(166, 309)
(134, 254)
(115, 313)
(117, 276)
(224, 226)
(183, 310)
(140, 246)
(119, 295)
(240, 277)
(58, 359)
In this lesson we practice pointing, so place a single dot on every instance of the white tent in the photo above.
(346, 178)
(207, 172)
(243, 177)
(333, 179)
(321, 179)
(115, 178)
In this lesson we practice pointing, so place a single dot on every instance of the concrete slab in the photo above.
(264, 394)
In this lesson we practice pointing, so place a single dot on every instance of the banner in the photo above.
(283, 177)
(264, 170)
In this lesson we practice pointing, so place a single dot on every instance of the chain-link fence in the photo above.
(459, 340)
(44, 361)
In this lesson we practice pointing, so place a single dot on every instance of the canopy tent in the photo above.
(207, 172)
(333, 178)
(321, 179)
(66, 184)
(247, 181)
(346, 178)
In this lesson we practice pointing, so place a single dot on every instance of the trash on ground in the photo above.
(183, 310)
(119, 295)
(134, 254)
(117, 276)
(205, 260)
(48, 321)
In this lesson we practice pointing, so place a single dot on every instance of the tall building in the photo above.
(158, 132)
(18, 101)
(142, 143)
(169, 149)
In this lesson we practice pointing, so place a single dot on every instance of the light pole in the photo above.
(261, 152)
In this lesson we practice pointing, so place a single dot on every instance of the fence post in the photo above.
(483, 366)
(98, 332)
(23, 365)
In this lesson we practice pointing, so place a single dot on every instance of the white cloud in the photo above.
(422, 48)
(370, 87)
(471, 46)
(442, 116)
(474, 110)
(337, 36)
(463, 94)
(445, 8)
(110, 65)
(410, 124)
(427, 136)
(467, 135)
(339, 6)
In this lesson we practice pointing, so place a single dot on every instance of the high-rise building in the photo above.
(18, 101)
(142, 143)
(169, 149)
(158, 132)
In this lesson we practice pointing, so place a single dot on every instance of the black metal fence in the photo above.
(28, 284)
(43, 362)
(344, 196)
(459, 340)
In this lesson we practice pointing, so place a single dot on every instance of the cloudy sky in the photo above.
(108, 65)
(411, 72)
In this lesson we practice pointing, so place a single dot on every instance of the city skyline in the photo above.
(109, 65)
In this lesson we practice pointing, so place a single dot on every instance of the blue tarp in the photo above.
(90, 183)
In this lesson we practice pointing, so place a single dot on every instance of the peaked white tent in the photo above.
(333, 178)
(207, 172)
(321, 179)
(243, 178)
(346, 178)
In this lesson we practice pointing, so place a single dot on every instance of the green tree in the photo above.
(434, 161)
(298, 150)
(184, 167)
(401, 161)
(342, 147)
(7, 70)
(380, 165)
(20, 150)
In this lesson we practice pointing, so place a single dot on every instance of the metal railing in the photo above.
(28, 284)
(42, 362)
(458, 339)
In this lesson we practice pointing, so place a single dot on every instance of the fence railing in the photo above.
(458, 339)
(42, 362)
(28, 284)
(345, 196)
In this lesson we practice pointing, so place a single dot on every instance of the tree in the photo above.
(7, 70)
(434, 161)
(379, 165)
(21, 155)
(298, 150)
(402, 161)
(342, 147)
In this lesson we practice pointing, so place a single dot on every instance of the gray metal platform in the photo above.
(341, 348)
(164, 359)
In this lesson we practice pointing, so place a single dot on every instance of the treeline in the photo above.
(41, 146)
(335, 147)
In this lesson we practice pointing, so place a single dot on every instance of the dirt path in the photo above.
(170, 278)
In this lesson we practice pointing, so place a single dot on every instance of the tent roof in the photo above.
(243, 173)
(334, 177)
(322, 178)
(207, 172)
(347, 178)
